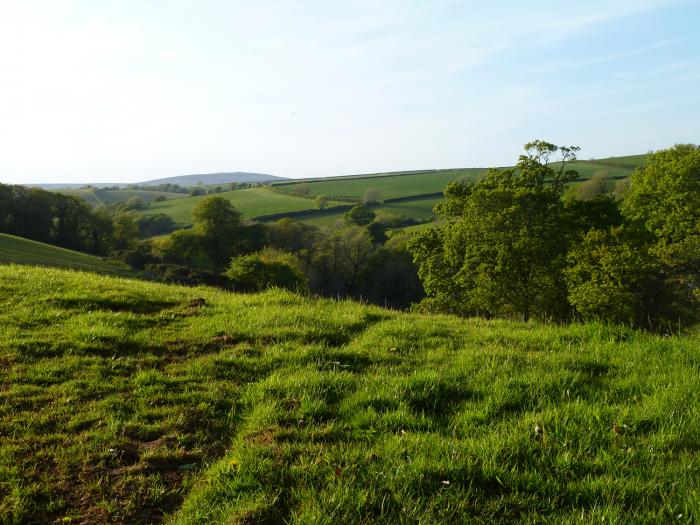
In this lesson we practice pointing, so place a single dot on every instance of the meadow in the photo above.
(251, 202)
(134, 402)
(105, 197)
(25, 251)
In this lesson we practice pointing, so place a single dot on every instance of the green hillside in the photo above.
(24, 251)
(419, 208)
(401, 184)
(252, 202)
(98, 197)
(284, 198)
(135, 402)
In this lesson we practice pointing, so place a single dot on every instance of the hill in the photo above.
(102, 196)
(252, 202)
(213, 178)
(24, 251)
(128, 401)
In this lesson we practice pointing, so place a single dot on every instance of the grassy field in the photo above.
(134, 402)
(416, 208)
(98, 197)
(252, 202)
(24, 251)
(390, 186)
(281, 198)
(400, 184)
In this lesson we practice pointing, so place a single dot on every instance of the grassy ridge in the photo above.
(24, 251)
(98, 197)
(252, 202)
(135, 402)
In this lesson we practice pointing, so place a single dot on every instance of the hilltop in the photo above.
(181, 180)
(127, 401)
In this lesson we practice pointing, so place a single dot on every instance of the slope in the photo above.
(251, 202)
(24, 251)
(128, 401)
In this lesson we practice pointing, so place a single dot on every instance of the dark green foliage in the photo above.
(612, 276)
(267, 269)
(53, 218)
(360, 215)
(377, 232)
(152, 225)
(646, 273)
(173, 273)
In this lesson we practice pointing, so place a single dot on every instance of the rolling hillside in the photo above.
(213, 178)
(125, 401)
(24, 251)
(251, 202)
(99, 197)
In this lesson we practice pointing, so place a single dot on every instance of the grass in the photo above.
(127, 401)
(252, 202)
(24, 251)
(389, 185)
(417, 208)
(99, 197)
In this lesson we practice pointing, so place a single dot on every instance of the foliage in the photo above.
(321, 202)
(611, 276)
(124, 401)
(647, 273)
(268, 268)
(372, 196)
(360, 215)
(503, 247)
(53, 218)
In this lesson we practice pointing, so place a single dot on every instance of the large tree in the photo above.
(502, 248)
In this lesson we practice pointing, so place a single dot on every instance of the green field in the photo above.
(98, 197)
(281, 198)
(417, 208)
(132, 402)
(251, 202)
(24, 251)
(390, 185)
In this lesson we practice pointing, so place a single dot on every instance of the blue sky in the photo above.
(96, 91)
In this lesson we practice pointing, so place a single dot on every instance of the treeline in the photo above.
(355, 259)
(55, 219)
(511, 245)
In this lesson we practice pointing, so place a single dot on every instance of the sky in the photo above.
(123, 91)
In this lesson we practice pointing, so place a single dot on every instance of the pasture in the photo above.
(134, 402)
(251, 202)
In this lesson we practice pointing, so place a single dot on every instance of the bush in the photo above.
(173, 273)
(268, 268)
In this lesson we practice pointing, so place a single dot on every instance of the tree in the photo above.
(360, 215)
(611, 276)
(372, 196)
(321, 202)
(646, 273)
(266, 269)
(594, 187)
(219, 224)
(502, 248)
(197, 191)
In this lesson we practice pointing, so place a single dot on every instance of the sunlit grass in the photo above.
(125, 401)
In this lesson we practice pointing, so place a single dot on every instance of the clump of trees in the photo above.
(512, 246)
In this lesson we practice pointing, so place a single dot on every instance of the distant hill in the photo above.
(180, 180)
(213, 178)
